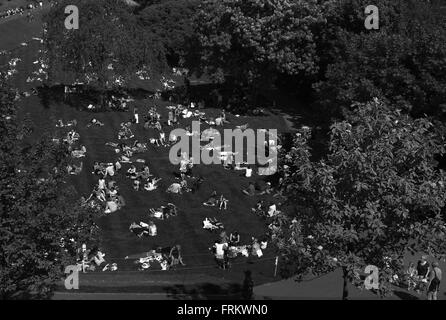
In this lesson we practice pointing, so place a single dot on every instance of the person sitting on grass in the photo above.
(259, 208)
(131, 172)
(234, 239)
(175, 188)
(250, 191)
(110, 170)
(145, 173)
(223, 202)
(111, 206)
(255, 247)
(170, 210)
(98, 169)
(212, 201)
(136, 184)
(175, 257)
(268, 189)
(140, 229)
(196, 184)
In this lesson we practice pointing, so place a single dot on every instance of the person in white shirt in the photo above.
(101, 184)
(220, 253)
(220, 248)
(118, 166)
(248, 172)
(272, 209)
(152, 229)
(110, 170)
(111, 207)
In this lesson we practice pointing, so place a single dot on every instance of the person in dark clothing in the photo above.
(434, 279)
(423, 267)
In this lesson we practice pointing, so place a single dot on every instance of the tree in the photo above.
(402, 62)
(251, 43)
(377, 194)
(106, 51)
(42, 224)
(170, 23)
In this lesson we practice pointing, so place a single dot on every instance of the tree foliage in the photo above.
(375, 195)
(41, 221)
(254, 41)
(171, 25)
(106, 50)
(404, 62)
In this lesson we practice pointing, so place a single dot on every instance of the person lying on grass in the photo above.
(73, 169)
(79, 153)
(143, 229)
(212, 224)
(212, 201)
(71, 123)
(111, 206)
(164, 212)
(95, 122)
(178, 188)
(151, 184)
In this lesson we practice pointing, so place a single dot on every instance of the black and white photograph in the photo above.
(237, 152)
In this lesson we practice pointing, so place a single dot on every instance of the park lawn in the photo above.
(186, 228)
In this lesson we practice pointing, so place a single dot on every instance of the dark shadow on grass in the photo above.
(403, 295)
(204, 291)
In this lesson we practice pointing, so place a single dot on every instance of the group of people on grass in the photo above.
(106, 193)
(226, 248)
(424, 277)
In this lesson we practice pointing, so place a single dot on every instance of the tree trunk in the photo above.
(345, 287)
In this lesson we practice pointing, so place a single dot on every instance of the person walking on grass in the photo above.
(434, 278)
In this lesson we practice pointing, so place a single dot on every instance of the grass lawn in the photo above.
(186, 228)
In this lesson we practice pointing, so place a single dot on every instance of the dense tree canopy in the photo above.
(171, 25)
(42, 223)
(254, 41)
(375, 195)
(106, 50)
(403, 62)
